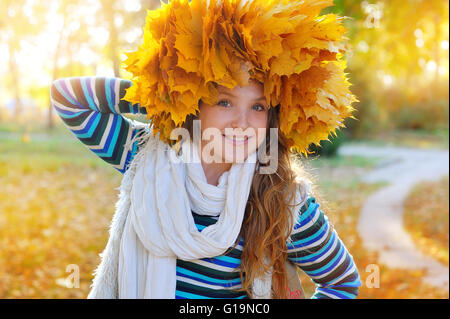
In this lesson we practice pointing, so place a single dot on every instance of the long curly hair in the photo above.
(267, 222)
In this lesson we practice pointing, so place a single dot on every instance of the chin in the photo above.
(233, 157)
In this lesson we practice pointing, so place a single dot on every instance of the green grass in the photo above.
(345, 161)
(45, 150)
(438, 138)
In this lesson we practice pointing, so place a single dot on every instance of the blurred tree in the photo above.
(329, 147)
(14, 12)
(399, 60)
(121, 18)
(110, 14)
(86, 36)
(72, 35)
(400, 56)
(56, 56)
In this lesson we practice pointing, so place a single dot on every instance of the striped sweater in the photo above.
(92, 109)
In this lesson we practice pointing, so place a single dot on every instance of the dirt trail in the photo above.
(381, 220)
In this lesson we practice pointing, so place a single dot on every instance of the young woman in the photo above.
(204, 229)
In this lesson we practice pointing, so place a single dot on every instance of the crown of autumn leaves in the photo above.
(189, 46)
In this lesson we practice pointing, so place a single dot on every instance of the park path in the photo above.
(381, 219)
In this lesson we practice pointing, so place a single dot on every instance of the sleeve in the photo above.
(316, 248)
(91, 107)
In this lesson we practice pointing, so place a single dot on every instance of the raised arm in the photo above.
(316, 248)
(92, 109)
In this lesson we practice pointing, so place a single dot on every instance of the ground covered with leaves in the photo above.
(57, 200)
(343, 195)
(427, 218)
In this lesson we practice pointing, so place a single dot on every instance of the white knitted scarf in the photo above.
(153, 224)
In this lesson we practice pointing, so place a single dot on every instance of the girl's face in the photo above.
(240, 117)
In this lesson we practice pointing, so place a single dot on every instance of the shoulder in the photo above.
(303, 192)
(141, 134)
(298, 199)
(306, 209)
(310, 225)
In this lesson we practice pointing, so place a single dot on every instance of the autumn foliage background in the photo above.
(57, 198)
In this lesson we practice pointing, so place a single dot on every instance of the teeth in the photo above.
(236, 138)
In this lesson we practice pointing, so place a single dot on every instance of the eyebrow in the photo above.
(262, 98)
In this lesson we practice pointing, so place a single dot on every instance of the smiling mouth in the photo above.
(237, 140)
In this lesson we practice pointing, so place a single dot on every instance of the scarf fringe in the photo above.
(105, 283)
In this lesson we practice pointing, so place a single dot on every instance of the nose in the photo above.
(240, 119)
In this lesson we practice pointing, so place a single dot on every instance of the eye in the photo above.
(259, 107)
(224, 103)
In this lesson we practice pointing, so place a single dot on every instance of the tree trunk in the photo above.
(14, 71)
(113, 48)
(108, 8)
(50, 124)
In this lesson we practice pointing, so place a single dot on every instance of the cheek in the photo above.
(212, 117)
(260, 122)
